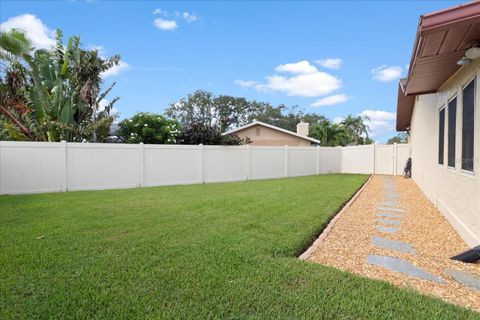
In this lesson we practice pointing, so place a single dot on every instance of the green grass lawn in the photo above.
(201, 251)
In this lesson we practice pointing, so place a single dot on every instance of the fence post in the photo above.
(142, 165)
(249, 162)
(286, 161)
(340, 159)
(202, 174)
(63, 146)
(318, 159)
(395, 156)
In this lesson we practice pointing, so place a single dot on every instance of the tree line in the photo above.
(55, 94)
(202, 117)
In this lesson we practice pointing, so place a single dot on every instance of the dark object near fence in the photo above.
(407, 171)
(469, 256)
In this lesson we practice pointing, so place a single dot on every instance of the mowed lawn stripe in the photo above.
(224, 251)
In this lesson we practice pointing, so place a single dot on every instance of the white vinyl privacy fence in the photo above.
(30, 167)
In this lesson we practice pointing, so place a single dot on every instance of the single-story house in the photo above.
(438, 105)
(264, 134)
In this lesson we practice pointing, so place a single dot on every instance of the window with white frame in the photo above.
(441, 136)
(468, 122)
(452, 127)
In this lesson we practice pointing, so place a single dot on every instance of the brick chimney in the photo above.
(302, 128)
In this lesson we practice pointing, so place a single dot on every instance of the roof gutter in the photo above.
(445, 17)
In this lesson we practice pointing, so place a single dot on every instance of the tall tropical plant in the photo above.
(356, 127)
(14, 112)
(329, 134)
(59, 91)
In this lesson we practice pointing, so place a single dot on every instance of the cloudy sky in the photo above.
(331, 58)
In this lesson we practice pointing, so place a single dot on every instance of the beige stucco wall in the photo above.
(271, 137)
(454, 192)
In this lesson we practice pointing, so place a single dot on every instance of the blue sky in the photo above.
(331, 58)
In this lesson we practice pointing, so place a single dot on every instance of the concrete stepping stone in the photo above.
(389, 222)
(392, 195)
(402, 266)
(390, 209)
(387, 229)
(391, 204)
(466, 278)
(392, 245)
(389, 215)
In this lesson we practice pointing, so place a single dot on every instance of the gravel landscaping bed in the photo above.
(392, 223)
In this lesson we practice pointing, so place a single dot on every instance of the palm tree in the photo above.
(14, 112)
(330, 134)
(356, 127)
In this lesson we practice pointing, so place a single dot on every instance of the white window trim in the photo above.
(444, 108)
(468, 174)
(447, 116)
(473, 78)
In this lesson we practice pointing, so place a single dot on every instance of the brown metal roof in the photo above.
(442, 39)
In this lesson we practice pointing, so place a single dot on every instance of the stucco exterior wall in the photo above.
(456, 193)
(271, 137)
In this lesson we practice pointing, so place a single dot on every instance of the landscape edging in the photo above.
(306, 255)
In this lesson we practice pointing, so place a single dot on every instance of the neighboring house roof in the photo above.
(442, 39)
(271, 127)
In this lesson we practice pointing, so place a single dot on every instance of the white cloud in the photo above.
(301, 67)
(331, 100)
(169, 20)
(115, 70)
(101, 49)
(189, 17)
(380, 122)
(246, 83)
(305, 81)
(103, 103)
(387, 73)
(38, 33)
(330, 63)
(303, 85)
(337, 120)
(165, 24)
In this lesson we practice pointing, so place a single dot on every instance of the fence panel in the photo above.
(357, 159)
(267, 162)
(302, 161)
(225, 163)
(93, 166)
(403, 152)
(172, 164)
(384, 159)
(330, 159)
(31, 167)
